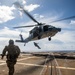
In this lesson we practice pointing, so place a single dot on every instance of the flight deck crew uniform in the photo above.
(13, 52)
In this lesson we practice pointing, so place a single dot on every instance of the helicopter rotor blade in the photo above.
(69, 29)
(26, 12)
(24, 26)
(30, 25)
(63, 19)
(30, 16)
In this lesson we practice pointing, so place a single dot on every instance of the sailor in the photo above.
(36, 45)
(13, 52)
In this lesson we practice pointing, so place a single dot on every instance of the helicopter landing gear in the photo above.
(49, 38)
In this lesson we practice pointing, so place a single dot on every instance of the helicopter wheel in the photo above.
(49, 38)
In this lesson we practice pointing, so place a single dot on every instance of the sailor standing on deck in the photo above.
(13, 52)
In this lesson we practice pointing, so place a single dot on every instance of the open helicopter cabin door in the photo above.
(45, 28)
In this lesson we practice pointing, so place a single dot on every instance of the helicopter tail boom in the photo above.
(19, 41)
(22, 40)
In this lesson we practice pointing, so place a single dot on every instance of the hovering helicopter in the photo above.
(40, 30)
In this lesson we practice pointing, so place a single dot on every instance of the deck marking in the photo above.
(68, 68)
(4, 62)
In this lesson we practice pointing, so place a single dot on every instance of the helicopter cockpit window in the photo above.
(50, 28)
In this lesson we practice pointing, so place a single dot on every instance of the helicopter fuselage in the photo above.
(44, 31)
(40, 32)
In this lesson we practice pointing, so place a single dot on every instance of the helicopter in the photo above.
(40, 30)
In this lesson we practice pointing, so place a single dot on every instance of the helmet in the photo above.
(11, 42)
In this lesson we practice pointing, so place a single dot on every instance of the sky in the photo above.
(43, 11)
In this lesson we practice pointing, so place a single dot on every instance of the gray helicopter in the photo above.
(40, 30)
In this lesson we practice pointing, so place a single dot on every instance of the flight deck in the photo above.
(28, 64)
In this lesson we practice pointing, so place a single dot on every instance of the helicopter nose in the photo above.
(59, 29)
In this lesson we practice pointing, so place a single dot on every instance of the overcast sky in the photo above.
(43, 11)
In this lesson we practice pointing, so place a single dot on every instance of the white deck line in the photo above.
(27, 64)
(4, 62)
